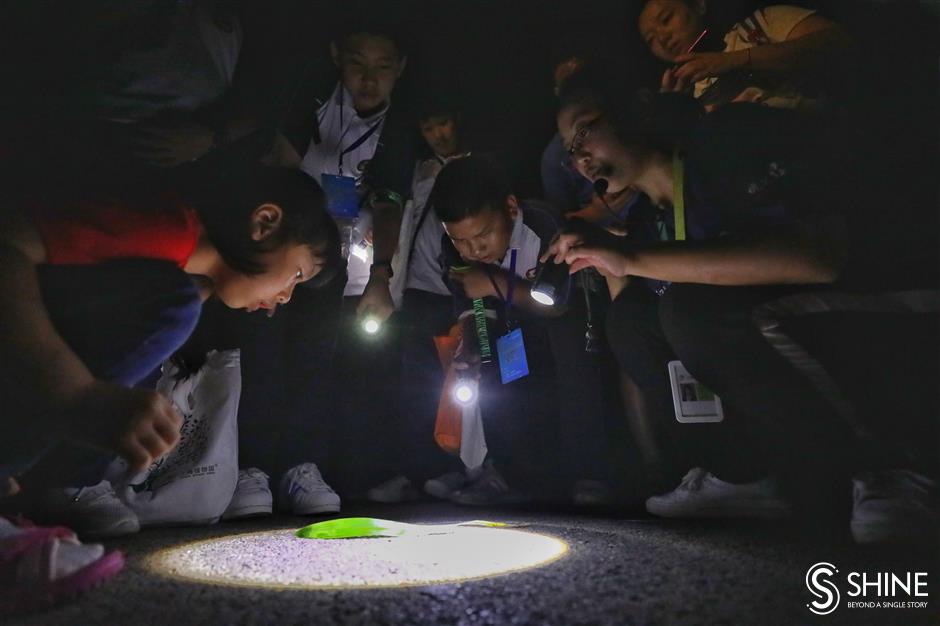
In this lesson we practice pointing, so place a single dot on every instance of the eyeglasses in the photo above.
(582, 135)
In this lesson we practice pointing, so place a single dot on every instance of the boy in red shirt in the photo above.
(96, 295)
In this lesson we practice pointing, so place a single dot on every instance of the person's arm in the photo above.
(796, 255)
(43, 379)
(478, 282)
(389, 176)
(377, 298)
(814, 42)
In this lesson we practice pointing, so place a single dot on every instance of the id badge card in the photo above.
(512, 359)
(694, 402)
(342, 199)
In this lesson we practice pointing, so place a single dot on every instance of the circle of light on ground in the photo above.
(279, 559)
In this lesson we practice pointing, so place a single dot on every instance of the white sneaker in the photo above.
(252, 496)
(895, 506)
(92, 511)
(701, 494)
(393, 491)
(445, 485)
(303, 491)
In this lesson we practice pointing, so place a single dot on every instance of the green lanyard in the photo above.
(678, 194)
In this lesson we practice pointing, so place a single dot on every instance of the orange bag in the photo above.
(449, 421)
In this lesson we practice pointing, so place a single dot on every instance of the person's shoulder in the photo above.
(777, 20)
(554, 151)
(541, 217)
(782, 12)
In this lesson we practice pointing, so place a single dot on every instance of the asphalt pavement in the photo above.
(618, 569)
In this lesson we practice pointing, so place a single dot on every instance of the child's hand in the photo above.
(696, 66)
(376, 301)
(138, 424)
(474, 281)
(671, 83)
(467, 360)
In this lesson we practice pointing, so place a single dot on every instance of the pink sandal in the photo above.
(27, 561)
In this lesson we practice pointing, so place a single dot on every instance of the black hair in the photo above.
(225, 203)
(441, 103)
(369, 22)
(719, 17)
(467, 186)
(640, 117)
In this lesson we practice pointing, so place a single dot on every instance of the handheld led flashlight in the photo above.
(549, 283)
(466, 390)
(371, 325)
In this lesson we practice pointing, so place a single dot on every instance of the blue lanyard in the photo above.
(510, 285)
(361, 140)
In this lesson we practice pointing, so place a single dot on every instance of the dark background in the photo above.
(495, 57)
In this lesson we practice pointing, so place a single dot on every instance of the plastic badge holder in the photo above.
(512, 359)
(342, 199)
(694, 403)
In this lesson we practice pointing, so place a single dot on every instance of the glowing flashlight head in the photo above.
(465, 391)
(361, 251)
(543, 295)
(549, 283)
(371, 326)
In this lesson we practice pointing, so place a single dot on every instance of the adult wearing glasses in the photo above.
(746, 211)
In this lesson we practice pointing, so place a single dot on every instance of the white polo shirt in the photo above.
(340, 129)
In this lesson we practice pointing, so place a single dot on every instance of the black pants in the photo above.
(776, 421)
(551, 421)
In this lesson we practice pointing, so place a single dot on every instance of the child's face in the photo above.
(669, 27)
(484, 237)
(440, 132)
(286, 266)
(369, 67)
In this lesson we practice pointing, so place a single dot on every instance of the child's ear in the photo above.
(512, 206)
(265, 220)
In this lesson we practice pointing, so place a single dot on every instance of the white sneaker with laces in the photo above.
(701, 494)
(445, 485)
(252, 496)
(302, 491)
(894, 506)
(93, 511)
(393, 491)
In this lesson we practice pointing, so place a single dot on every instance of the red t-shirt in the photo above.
(101, 231)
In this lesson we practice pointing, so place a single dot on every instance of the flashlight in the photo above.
(466, 390)
(360, 251)
(549, 283)
(371, 325)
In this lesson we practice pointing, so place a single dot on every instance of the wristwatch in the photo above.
(386, 195)
(387, 263)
